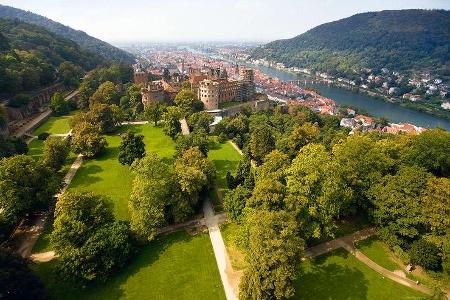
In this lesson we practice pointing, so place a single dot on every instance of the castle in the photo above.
(211, 85)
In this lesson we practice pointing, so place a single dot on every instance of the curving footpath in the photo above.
(348, 243)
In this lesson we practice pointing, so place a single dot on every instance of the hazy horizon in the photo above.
(140, 21)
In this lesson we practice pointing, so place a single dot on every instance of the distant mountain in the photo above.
(397, 39)
(86, 41)
(32, 57)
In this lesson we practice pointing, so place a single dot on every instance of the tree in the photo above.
(262, 143)
(16, 279)
(425, 254)
(25, 185)
(268, 195)
(131, 148)
(274, 166)
(153, 112)
(78, 215)
(70, 73)
(197, 139)
(56, 151)
(315, 193)
(59, 105)
(301, 136)
(3, 117)
(11, 146)
(361, 164)
(185, 100)
(150, 196)
(200, 121)
(105, 94)
(273, 255)
(431, 150)
(107, 250)
(435, 197)
(104, 117)
(171, 120)
(87, 140)
(235, 201)
(398, 207)
(193, 173)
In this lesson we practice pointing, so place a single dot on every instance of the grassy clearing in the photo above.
(176, 266)
(339, 275)
(55, 125)
(105, 176)
(225, 158)
(379, 252)
(236, 256)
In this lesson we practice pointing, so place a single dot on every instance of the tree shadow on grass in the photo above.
(114, 288)
(87, 176)
(318, 280)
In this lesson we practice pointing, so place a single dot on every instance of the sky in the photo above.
(205, 20)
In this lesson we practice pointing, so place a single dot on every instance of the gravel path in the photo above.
(184, 126)
(348, 243)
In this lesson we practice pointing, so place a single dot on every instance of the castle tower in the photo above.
(209, 94)
(247, 81)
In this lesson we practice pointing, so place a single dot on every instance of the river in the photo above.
(373, 106)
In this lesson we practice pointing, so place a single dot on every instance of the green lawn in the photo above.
(35, 148)
(55, 125)
(105, 176)
(339, 275)
(379, 252)
(176, 266)
(225, 158)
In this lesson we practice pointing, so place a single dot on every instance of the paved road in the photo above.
(227, 275)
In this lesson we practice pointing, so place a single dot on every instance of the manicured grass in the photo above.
(55, 125)
(176, 266)
(225, 158)
(105, 176)
(339, 275)
(36, 148)
(379, 252)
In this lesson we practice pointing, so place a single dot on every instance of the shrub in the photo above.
(425, 254)
(43, 136)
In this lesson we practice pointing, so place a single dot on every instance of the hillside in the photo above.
(86, 41)
(399, 40)
(31, 56)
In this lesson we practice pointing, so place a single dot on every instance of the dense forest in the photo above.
(86, 41)
(399, 40)
(32, 57)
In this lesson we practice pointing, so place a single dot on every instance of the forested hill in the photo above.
(398, 40)
(32, 57)
(86, 41)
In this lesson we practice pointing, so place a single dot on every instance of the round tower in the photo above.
(209, 94)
